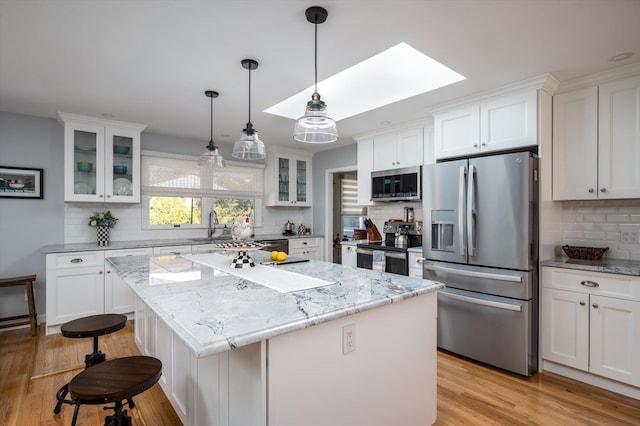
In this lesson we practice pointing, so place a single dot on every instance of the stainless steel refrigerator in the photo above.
(481, 241)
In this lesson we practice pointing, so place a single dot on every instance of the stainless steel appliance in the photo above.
(397, 184)
(391, 255)
(482, 243)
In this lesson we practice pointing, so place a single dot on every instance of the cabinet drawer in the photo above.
(175, 250)
(614, 285)
(75, 260)
(128, 252)
(300, 243)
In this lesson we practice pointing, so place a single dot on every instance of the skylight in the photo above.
(397, 73)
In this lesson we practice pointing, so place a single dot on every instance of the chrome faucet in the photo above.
(212, 224)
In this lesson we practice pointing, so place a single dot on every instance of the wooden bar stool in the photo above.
(93, 326)
(112, 382)
(26, 281)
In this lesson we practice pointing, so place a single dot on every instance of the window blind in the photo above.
(174, 174)
(349, 191)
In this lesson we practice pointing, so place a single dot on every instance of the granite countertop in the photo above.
(212, 311)
(121, 245)
(611, 266)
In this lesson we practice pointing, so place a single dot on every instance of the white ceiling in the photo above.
(151, 61)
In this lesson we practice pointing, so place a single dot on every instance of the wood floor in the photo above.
(32, 369)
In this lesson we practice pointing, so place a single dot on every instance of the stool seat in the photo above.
(26, 281)
(93, 326)
(115, 380)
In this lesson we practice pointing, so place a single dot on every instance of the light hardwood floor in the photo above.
(32, 369)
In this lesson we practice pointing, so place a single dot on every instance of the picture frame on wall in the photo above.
(21, 182)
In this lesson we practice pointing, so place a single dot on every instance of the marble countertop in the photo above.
(121, 245)
(611, 266)
(212, 311)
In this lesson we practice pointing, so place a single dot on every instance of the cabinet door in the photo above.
(138, 323)
(349, 256)
(565, 327)
(384, 152)
(365, 166)
(615, 339)
(122, 165)
(409, 148)
(83, 162)
(457, 132)
(74, 293)
(619, 139)
(508, 122)
(302, 176)
(575, 145)
(284, 173)
(118, 296)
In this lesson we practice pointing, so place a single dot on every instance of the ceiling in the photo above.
(151, 61)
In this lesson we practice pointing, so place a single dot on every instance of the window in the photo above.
(350, 210)
(176, 193)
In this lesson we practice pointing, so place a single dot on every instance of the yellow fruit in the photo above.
(274, 255)
(281, 256)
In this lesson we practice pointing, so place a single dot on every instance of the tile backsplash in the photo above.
(603, 223)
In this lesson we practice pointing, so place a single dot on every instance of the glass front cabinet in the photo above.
(101, 159)
(290, 180)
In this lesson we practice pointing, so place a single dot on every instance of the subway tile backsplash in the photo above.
(603, 223)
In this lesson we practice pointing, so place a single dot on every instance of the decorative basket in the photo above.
(586, 253)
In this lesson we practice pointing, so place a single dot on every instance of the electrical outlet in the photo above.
(630, 237)
(348, 338)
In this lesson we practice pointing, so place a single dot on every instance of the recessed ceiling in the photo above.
(149, 62)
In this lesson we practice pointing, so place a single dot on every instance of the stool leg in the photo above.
(95, 357)
(75, 415)
(62, 392)
(32, 309)
(131, 404)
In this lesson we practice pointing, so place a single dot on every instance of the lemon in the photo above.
(281, 256)
(274, 255)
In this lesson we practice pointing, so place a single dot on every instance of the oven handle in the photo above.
(364, 251)
(484, 302)
(498, 277)
(394, 255)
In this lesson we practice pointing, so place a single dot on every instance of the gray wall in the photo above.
(332, 159)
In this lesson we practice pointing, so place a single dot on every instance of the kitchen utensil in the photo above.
(289, 227)
(401, 241)
(121, 149)
(84, 166)
(373, 235)
(121, 186)
(120, 170)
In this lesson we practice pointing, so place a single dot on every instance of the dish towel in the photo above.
(378, 263)
(274, 278)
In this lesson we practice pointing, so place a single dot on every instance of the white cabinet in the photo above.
(591, 322)
(288, 180)
(349, 256)
(415, 264)
(596, 141)
(398, 150)
(101, 159)
(309, 248)
(494, 124)
(172, 250)
(79, 284)
(365, 167)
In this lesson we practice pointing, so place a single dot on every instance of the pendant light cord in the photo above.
(211, 143)
(316, 57)
(249, 93)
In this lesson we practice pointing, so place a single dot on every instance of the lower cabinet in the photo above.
(591, 322)
(349, 256)
(415, 264)
(118, 297)
(309, 248)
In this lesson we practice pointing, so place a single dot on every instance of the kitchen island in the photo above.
(358, 351)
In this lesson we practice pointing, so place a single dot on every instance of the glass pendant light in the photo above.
(211, 158)
(315, 126)
(249, 146)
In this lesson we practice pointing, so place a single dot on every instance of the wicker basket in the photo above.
(586, 253)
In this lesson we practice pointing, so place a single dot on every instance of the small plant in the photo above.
(102, 219)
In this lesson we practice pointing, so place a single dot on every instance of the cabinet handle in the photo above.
(603, 190)
(591, 190)
(109, 271)
(595, 305)
(475, 145)
(484, 144)
(76, 260)
(582, 303)
(420, 261)
(100, 273)
(588, 283)
(101, 196)
(108, 196)
(305, 243)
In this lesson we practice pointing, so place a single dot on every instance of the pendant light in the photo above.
(315, 126)
(249, 146)
(211, 158)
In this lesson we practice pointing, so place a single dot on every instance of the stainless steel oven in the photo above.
(386, 256)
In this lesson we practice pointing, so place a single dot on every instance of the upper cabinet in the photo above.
(288, 180)
(494, 124)
(101, 159)
(596, 141)
(398, 150)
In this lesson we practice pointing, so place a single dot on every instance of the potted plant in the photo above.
(102, 221)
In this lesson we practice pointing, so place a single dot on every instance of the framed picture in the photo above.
(20, 182)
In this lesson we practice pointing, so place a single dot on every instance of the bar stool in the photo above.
(112, 382)
(26, 281)
(93, 326)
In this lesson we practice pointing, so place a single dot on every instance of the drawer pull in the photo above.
(588, 283)
(76, 260)
(595, 305)
(582, 303)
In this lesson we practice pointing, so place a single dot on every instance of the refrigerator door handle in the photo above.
(461, 181)
(497, 277)
(471, 212)
(483, 302)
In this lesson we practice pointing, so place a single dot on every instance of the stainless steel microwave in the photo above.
(397, 184)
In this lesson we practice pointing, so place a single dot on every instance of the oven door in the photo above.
(394, 262)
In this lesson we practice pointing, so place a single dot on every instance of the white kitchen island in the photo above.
(239, 353)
